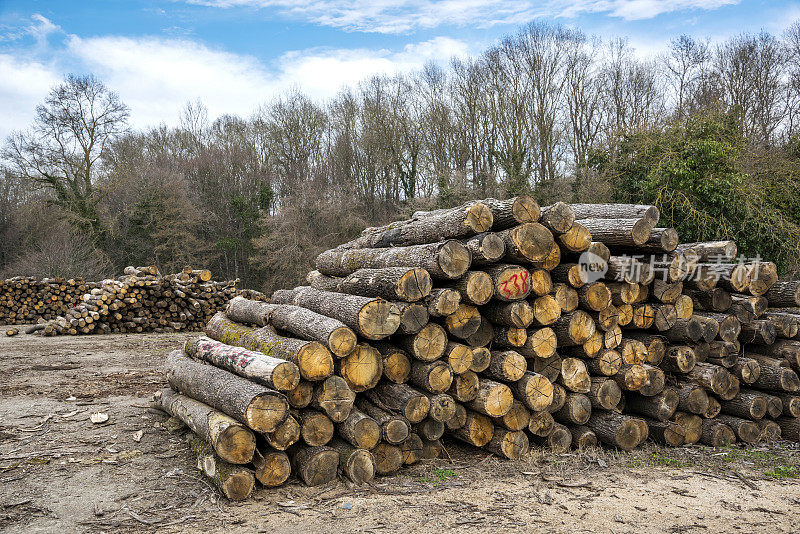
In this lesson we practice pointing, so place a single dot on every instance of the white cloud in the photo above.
(400, 16)
(25, 85)
(156, 77)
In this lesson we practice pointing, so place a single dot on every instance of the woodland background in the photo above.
(708, 132)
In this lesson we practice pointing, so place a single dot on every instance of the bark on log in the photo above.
(274, 373)
(540, 343)
(615, 429)
(513, 211)
(400, 399)
(660, 407)
(315, 465)
(445, 260)
(481, 359)
(494, 399)
(234, 481)
(607, 363)
(518, 313)
(619, 232)
(427, 227)
(391, 283)
(372, 318)
(616, 211)
(232, 441)
(509, 282)
(746, 431)
(334, 397)
(574, 375)
(314, 361)
(747, 405)
(356, 464)
(573, 328)
(485, 248)
(475, 287)
(582, 437)
(784, 294)
(710, 251)
(576, 239)
(507, 366)
(394, 428)
(259, 408)
(442, 302)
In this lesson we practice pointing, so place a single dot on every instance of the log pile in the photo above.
(25, 300)
(502, 325)
(141, 300)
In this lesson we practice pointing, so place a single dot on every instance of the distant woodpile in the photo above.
(487, 323)
(142, 300)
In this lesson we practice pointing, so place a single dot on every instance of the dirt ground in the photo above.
(59, 472)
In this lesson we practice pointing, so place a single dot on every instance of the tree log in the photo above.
(334, 397)
(614, 429)
(259, 408)
(232, 441)
(445, 260)
(400, 399)
(485, 248)
(356, 464)
(274, 373)
(315, 465)
(234, 481)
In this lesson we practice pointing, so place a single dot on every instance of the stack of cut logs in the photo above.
(501, 325)
(142, 300)
(24, 300)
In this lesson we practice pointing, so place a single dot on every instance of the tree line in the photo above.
(548, 111)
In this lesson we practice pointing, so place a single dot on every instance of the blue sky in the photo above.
(235, 55)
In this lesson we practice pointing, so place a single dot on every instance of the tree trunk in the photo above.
(360, 430)
(464, 322)
(576, 409)
(615, 429)
(413, 317)
(434, 377)
(619, 232)
(234, 481)
(513, 211)
(784, 294)
(509, 282)
(748, 405)
(477, 430)
(272, 468)
(692, 426)
(692, 398)
(510, 444)
(660, 407)
(334, 397)
(285, 435)
(616, 211)
(604, 393)
(274, 373)
(356, 464)
(372, 318)
(443, 302)
(746, 431)
(315, 465)
(464, 387)
(631, 377)
(445, 260)
(459, 357)
(362, 368)
(566, 296)
(427, 227)
(394, 428)
(313, 360)
(573, 328)
(711, 250)
(400, 399)
(541, 424)
(259, 408)
(232, 441)
(518, 314)
(316, 428)
(518, 417)
(607, 363)
(494, 399)
(475, 287)
(534, 390)
(529, 242)
(540, 343)
(507, 366)
(396, 363)
(485, 248)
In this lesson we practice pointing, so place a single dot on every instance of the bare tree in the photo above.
(62, 150)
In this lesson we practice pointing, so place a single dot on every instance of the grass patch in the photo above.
(783, 472)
